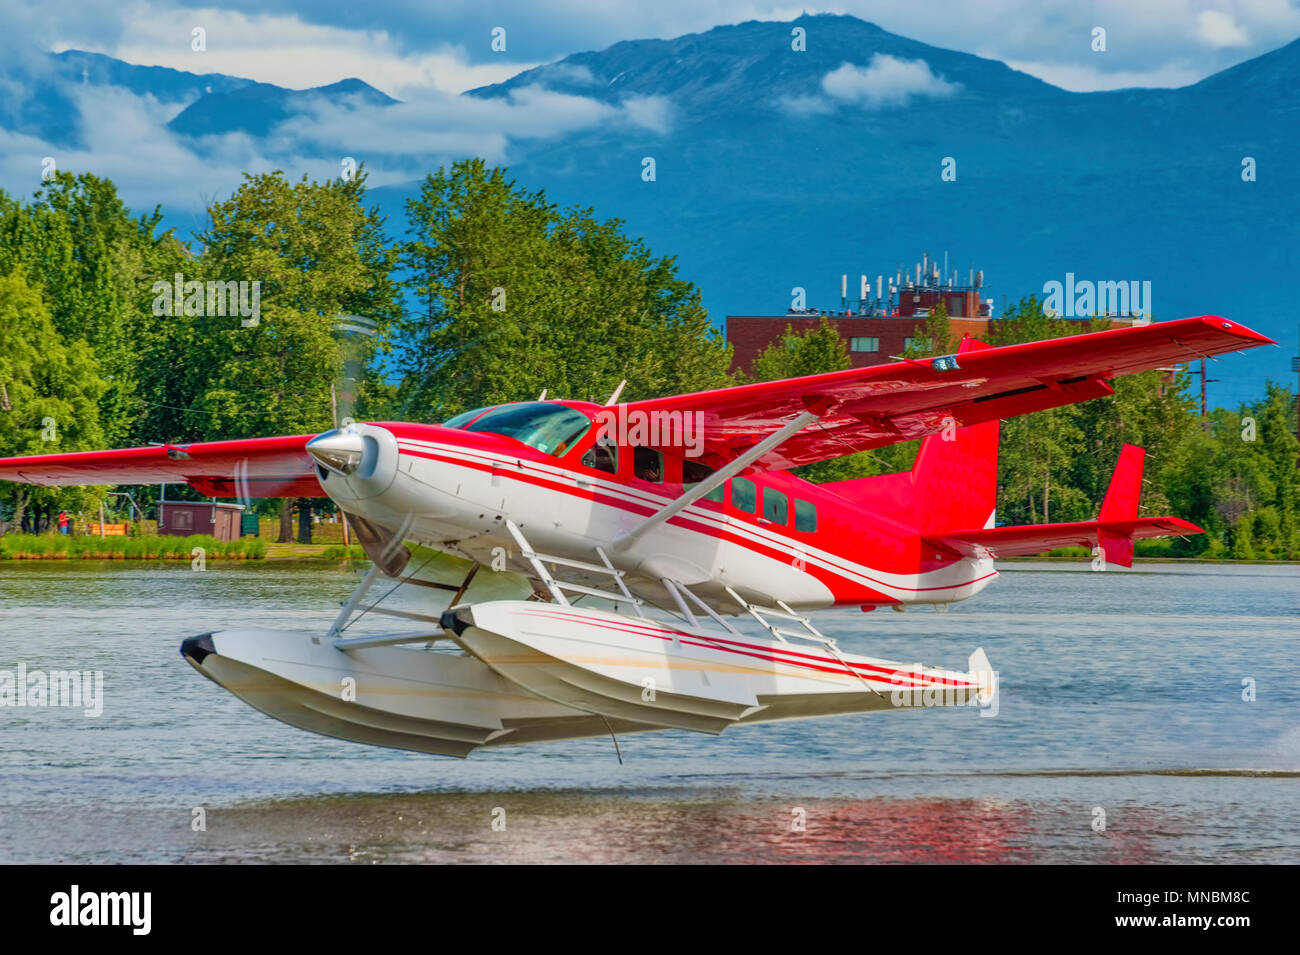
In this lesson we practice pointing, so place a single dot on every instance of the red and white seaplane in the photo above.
(500, 529)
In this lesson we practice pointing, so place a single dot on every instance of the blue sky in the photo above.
(403, 47)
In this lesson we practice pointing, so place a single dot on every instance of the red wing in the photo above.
(870, 407)
(252, 467)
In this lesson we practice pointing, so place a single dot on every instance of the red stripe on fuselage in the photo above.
(827, 575)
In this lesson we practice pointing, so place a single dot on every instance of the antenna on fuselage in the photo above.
(542, 396)
(617, 391)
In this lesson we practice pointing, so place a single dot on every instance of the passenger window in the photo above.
(744, 496)
(715, 494)
(776, 506)
(693, 472)
(805, 516)
(602, 458)
(648, 465)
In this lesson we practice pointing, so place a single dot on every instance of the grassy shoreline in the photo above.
(155, 547)
(148, 547)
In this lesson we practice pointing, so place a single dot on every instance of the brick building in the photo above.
(870, 341)
(883, 321)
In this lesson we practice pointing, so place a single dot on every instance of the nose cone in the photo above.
(341, 451)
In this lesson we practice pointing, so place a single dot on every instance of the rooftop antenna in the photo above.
(613, 399)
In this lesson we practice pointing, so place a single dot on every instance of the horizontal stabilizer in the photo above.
(1019, 540)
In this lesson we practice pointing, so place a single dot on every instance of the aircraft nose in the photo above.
(340, 450)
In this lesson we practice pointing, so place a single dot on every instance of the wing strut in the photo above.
(718, 478)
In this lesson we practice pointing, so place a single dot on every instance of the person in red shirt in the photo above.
(64, 521)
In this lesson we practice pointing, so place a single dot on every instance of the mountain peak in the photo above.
(753, 65)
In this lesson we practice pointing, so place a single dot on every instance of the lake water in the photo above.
(1121, 701)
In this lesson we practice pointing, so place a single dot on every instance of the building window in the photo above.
(907, 343)
(182, 520)
(864, 344)
(805, 516)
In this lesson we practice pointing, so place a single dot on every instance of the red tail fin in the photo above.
(956, 472)
(953, 482)
(1121, 504)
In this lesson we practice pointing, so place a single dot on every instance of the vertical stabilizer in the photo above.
(955, 475)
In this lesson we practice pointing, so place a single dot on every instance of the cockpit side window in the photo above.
(464, 418)
(602, 457)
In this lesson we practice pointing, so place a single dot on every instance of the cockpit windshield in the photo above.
(548, 427)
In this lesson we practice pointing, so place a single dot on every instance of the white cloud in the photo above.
(805, 105)
(886, 81)
(654, 113)
(574, 73)
(284, 50)
(1219, 29)
(125, 139)
(1087, 79)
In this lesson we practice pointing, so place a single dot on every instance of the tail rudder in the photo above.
(1121, 505)
(1125, 490)
(955, 474)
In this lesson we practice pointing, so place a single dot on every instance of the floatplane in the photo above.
(567, 569)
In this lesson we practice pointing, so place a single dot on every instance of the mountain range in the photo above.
(777, 168)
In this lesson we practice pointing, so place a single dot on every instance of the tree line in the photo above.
(293, 307)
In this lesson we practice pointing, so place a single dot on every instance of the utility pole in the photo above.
(1205, 420)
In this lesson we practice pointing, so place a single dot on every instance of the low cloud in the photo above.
(1218, 29)
(1089, 79)
(805, 105)
(654, 113)
(886, 82)
(124, 137)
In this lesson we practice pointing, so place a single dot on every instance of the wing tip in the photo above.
(1236, 329)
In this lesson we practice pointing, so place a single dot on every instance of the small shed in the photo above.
(183, 518)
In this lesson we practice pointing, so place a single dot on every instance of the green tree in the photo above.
(78, 242)
(936, 336)
(316, 253)
(49, 395)
(516, 296)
